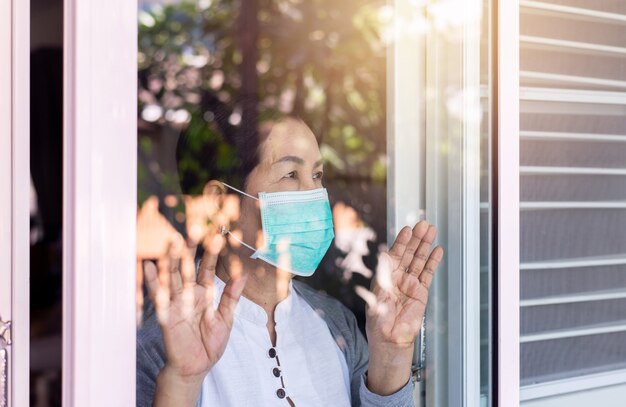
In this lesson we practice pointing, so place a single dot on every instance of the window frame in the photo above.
(505, 90)
(453, 204)
(100, 58)
(447, 191)
(406, 127)
(99, 202)
(14, 203)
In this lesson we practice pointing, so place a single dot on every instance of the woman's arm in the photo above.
(194, 333)
(175, 390)
(395, 311)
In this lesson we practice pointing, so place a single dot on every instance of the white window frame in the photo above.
(99, 202)
(15, 197)
(447, 192)
(506, 131)
(453, 204)
(406, 143)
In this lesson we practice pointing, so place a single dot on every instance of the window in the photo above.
(212, 74)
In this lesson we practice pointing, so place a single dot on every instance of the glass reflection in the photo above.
(211, 74)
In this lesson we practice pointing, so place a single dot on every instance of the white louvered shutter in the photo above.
(573, 188)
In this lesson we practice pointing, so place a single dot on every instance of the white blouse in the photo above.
(307, 367)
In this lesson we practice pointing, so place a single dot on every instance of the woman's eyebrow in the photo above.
(297, 160)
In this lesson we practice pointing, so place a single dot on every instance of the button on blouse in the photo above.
(305, 368)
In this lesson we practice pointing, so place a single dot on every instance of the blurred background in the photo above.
(215, 71)
(46, 165)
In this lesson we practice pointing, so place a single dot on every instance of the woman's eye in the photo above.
(292, 174)
(318, 175)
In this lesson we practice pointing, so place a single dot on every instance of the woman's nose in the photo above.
(307, 184)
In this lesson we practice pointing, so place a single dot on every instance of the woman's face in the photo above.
(290, 160)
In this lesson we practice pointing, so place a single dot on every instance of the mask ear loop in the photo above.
(240, 191)
(224, 230)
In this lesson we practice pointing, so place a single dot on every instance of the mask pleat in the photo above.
(292, 238)
(299, 226)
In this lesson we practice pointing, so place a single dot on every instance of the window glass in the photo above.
(215, 75)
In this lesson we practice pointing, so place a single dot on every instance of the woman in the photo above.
(242, 333)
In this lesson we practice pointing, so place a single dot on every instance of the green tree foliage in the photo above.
(322, 60)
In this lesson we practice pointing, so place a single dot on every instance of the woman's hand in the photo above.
(397, 305)
(194, 333)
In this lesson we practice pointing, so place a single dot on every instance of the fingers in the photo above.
(187, 270)
(421, 254)
(189, 281)
(427, 274)
(158, 285)
(152, 281)
(399, 245)
(206, 273)
(230, 296)
(417, 234)
(139, 292)
(384, 270)
(176, 281)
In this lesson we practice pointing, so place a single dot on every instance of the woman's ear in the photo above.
(214, 189)
(216, 199)
(213, 195)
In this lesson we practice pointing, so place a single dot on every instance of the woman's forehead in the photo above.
(291, 137)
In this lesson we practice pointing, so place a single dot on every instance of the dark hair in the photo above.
(211, 148)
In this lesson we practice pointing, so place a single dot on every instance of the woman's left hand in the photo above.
(396, 305)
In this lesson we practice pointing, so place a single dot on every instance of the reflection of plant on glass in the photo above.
(193, 347)
(215, 70)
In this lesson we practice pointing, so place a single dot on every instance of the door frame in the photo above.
(99, 202)
(15, 202)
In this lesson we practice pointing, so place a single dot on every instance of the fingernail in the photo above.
(439, 253)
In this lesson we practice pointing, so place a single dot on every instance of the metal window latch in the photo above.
(417, 369)
(5, 331)
(417, 373)
(5, 342)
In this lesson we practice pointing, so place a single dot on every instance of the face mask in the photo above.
(297, 227)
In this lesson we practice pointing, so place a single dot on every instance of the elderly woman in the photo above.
(241, 332)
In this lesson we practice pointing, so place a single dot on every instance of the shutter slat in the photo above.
(574, 298)
(579, 13)
(547, 135)
(573, 333)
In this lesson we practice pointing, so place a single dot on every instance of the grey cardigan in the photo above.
(341, 323)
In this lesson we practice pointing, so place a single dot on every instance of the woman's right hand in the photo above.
(194, 333)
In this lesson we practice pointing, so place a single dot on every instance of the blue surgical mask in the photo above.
(297, 227)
